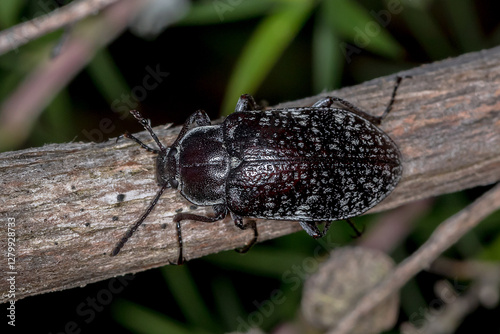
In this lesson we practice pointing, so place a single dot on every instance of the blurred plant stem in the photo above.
(22, 108)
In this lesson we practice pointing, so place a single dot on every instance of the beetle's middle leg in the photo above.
(355, 228)
(238, 221)
(312, 229)
(220, 211)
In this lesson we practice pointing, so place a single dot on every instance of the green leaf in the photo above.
(59, 119)
(9, 12)
(266, 45)
(491, 251)
(363, 28)
(427, 32)
(260, 260)
(106, 76)
(140, 319)
(464, 24)
(219, 11)
(187, 296)
(227, 301)
(327, 61)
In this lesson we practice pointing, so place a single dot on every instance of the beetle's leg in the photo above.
(325, 102)
(330, 100)
(353, 226)
(246, 103)
(198, 118)
(238, 221)
(393, 96)
(220, 211)
(312, 229)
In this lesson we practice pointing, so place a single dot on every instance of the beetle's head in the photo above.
(166, 168)
(166, 162)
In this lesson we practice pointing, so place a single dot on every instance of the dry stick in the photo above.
(72, 202)
(12, 38)
(451, 315)
(456, 307)
(443, 237)
(485, 276)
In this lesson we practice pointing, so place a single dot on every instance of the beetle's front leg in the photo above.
(220, 211)
(238, 221)
(198, 118)
(246, 103)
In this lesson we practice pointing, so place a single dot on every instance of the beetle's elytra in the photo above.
(310, 164)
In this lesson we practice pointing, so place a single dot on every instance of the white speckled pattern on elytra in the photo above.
(311, 164)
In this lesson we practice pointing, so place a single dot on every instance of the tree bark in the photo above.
(67, 205)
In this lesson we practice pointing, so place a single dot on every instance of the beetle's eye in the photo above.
(174, 183)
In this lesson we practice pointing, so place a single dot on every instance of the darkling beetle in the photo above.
(310, 164)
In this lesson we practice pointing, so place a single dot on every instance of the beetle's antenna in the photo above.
(131, 231)
(144, 146)
(393, 96)
(147, 126)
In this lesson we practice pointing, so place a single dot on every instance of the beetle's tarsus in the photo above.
(220, 211)
(180, 259)
(238, 221)
(355, 228)
(393, 97)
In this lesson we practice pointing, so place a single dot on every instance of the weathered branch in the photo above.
(22, 33)
(64, 198)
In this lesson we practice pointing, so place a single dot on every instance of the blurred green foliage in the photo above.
(274, 48)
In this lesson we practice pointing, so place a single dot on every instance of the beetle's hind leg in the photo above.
(238, 221)
(312, 228)
(330, 100)
(220, 212)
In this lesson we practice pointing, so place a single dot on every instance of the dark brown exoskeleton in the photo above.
(309, 164)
